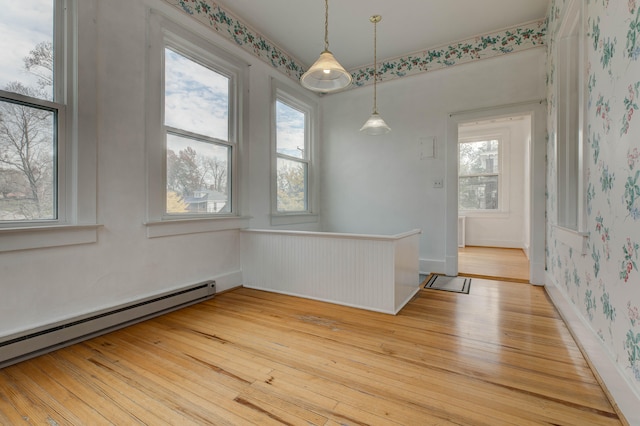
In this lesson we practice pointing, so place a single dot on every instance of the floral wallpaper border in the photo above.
(226, 24)
(514, 39)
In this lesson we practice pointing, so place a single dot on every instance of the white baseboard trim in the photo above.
(323, 299)
(493, 243)
(451, 265)
(405, 301)
(537, 273)
(428, 266)
(228, 281)
(617, 386)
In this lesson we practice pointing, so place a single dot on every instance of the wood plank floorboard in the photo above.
(500, 355)
(494, 263)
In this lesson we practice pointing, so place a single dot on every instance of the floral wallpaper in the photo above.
(604, 284)
(499, 43)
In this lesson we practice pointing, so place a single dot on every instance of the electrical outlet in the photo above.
(438, 183)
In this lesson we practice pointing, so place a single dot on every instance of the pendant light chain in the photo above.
(375, 66)
(375, 125)
(326, 25)
(326, 74)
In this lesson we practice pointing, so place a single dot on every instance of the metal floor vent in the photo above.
(29, 344)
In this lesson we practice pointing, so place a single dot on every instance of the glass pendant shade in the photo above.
(375, 125)
(326, 75)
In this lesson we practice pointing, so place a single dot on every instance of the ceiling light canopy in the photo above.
(375, 125)
(326, 74)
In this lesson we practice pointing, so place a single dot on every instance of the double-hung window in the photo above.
(479, 175)
(47, 156)
(32, 114)
(293, 184)
(193, 131)
(199, 144)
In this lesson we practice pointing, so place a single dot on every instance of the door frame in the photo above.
(537, 166)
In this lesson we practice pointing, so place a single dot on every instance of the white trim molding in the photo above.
(620, 392)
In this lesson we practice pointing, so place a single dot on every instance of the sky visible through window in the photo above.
(23, 24)
(196, 97)
(197, 105)
(289, 130)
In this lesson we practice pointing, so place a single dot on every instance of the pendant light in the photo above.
(326, 74)
(375, 125)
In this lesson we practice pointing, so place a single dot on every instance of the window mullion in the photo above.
(481, 175)
(196, 136)
(290, 158)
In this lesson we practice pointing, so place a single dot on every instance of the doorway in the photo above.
(497, 211)
(493, 182)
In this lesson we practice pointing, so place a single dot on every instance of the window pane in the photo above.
(478, 157)
(27, 47)
(292, 186)
(289, 131)
(478, 193)
(196, 97)
(568, 138)
(197, 176)
(27, 168)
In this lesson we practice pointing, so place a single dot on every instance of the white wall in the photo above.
(380, 184)
(41, 286)
(505, 228)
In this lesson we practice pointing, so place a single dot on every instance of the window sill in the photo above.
(574, 239)
(27, 238)
(167, 228)
(494, 214)
(293, 218)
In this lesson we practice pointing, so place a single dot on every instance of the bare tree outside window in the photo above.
(291, 182)
(27, 144)
(197, 176)
(40, 64)
(292, 162)
(198, 150)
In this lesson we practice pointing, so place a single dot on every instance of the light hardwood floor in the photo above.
(499, 355)
(493, 262)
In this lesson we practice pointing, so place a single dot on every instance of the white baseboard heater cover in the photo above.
(29, 344)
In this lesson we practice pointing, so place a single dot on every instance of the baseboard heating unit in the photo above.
(29, 344)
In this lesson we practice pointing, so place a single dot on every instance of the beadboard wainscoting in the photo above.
(374, 272)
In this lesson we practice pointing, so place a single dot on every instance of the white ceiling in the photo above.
(407, 26)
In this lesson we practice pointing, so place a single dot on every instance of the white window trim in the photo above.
(574, 238)
(502, 135)
(164, 32)
(301, 102)
(76, 154)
